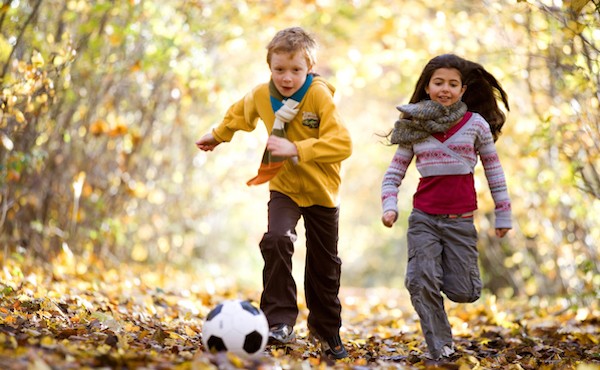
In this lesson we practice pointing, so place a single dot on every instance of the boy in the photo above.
(302, 163)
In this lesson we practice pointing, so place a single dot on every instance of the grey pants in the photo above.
(442, 257)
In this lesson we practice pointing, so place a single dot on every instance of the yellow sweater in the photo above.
(318, 132)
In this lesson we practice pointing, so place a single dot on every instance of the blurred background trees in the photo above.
(102, 102)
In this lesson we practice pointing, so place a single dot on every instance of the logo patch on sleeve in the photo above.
(310, 119)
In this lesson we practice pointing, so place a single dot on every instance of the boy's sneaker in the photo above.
(281, 334)
(332, 346)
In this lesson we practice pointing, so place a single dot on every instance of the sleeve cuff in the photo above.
(503, 220)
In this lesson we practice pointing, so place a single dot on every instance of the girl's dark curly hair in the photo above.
(483, 90)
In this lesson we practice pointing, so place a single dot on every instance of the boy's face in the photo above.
(288, 71)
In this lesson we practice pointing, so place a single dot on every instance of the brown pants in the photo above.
(322, 268)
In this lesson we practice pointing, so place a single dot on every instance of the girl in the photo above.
(453, 116)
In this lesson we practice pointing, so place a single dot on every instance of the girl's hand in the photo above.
(501, 232)
(281, 147)
(389, 218)
(207, 142)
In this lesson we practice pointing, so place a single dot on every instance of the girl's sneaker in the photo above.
(446, 352)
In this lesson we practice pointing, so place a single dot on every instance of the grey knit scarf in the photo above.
(426, 117)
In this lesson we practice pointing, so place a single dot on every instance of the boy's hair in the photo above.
(292, 40)
(482, 92)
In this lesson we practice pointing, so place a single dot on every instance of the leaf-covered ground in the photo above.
(80, 315)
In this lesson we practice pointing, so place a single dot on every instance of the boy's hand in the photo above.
(389, 218)
(207, 142)
(501, 232)
(281, 147)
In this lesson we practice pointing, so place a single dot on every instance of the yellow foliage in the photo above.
(118, 129)
(19, 116)
(5, 48)
(576, 5)
(99, 127)
(37, 60)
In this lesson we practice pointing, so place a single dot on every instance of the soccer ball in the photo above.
(236, 326)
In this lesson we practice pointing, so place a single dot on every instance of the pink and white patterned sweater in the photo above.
(455, 156)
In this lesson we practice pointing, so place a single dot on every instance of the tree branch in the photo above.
(25, 25)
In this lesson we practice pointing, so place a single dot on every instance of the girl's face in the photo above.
(445, 86)
(288, 71)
